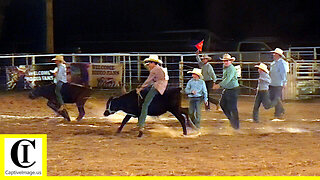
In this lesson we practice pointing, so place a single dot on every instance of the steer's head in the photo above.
(109, 109)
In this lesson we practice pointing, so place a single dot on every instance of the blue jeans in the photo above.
(263, 98)
(58, 92)
(276, 93)
(195, 111)
(144, 111)
(229, 103)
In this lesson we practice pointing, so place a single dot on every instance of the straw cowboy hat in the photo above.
(59, 58)
(263, 67)
(22, 68)
(153, 58)
(206, 57)
(227, 57)
(196, 71)
(278, 51)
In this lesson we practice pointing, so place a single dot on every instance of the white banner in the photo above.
(106, 75)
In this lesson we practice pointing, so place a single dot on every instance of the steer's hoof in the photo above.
(79, 119)
(140, 134)
(67, 119)
(64, 113)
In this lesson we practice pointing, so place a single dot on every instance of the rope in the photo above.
(139, 98)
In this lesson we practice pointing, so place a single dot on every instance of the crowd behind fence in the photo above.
(303, 78)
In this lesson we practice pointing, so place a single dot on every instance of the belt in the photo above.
(233, 88)
(195, 97)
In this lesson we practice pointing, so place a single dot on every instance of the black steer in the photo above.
(70, 94)
(131, 104)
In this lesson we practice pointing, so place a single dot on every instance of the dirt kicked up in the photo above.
(91, 147)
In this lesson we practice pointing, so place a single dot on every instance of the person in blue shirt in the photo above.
(278, 74)
(262, 96)
(229, 97)
(209, 77)
(196, 90)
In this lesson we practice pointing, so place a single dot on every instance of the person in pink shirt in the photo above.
(157, 79)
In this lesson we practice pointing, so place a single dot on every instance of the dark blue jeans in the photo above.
(58, 92)
(263, 98)
(195, 111)
(145, 106)
(275, 92)
(229, 103)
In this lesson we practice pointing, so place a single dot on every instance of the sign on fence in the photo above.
(106, 75)
(40, 74)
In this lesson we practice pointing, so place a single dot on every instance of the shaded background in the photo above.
(159, 25)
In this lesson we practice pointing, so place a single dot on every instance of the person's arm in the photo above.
(265, 77)
(148, 82)
(200, 63)
(211, 73)
(204, 92)
(283, 73)
(54, 72)
(187, 90)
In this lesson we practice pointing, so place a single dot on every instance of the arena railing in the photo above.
(178, 64)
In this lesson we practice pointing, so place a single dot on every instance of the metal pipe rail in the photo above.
(179, 63)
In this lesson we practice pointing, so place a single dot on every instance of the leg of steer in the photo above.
(80, 106)
(181, 119)
(124, 122)
(81, 113)
(65, 114)
(53, 106)
(56, 107)
(185, 113)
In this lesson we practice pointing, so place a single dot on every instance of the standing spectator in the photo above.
(278, 74)
(157, 78)
(230, 84)
(196, 90)
(61, 78)
(262, 95)
(209, 77)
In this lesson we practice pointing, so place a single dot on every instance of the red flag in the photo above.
(199, 45)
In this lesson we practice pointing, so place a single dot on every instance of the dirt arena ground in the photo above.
(287, 147)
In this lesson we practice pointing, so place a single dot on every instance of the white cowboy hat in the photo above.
(196, 71)
(278, 51)
(263, 67)
(59, 58)
(206, 57)
(153, 58)
(22, 68)
(227, 57)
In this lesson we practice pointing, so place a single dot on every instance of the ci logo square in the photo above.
(23, 156)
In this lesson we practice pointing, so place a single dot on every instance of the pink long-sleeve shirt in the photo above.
(157, 79)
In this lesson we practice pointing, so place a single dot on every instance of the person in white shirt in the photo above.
(61, 78)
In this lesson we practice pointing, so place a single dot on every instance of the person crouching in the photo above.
(196, 90)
